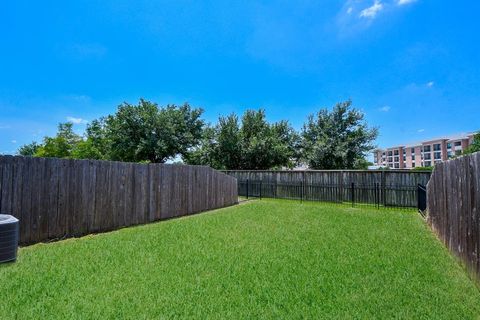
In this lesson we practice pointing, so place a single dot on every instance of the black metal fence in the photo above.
(357, 194)
(421, 199)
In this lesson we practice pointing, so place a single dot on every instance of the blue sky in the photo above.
(411, 66)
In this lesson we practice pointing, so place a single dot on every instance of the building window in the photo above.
(458, 143)
(413, 157)
(390, 153)
(397, 159)
(404, 158)
(436, 147)
(437, 155)
(449, 145)
(413, 150)
(458, 152)
(413, 164)
(428, 163)
(427, 156)
(396, 152)
(426, 148)
(397, 166)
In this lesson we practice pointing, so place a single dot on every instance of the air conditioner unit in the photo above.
(9, 228)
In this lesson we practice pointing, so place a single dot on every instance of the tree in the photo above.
(28, 150)
(204, 152)
(251, 143)
(475, 146)
(137, 133)
(339, 139)
(85, 149)
(264, 145)
(430, 168)
(145, 132)
(363, 164)
(65, 144)
(96, 145)
(227, 152)
(61, 145)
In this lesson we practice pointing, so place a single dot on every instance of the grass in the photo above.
(261, 259)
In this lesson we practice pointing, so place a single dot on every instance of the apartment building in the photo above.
(422, 154)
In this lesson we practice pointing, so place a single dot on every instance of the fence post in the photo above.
(303, 185)
(247, 188)
(353, 193)
(260, 189)
(384, 188)
(275, 186)
(301, 192)
(377, 195)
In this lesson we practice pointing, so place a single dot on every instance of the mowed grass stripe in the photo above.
(261, 259)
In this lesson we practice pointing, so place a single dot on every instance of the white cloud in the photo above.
(5, 127)
(76, 120)
(403, 2)
(385, 108)
(349, 10)
(372, 11)
(430, 84)
(14, 141)
(420, 130)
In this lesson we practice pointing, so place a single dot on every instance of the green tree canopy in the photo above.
(430, 168)
(204, 152)
(142, 132)
(251, 143)
(145, 132)
(28, 150)
(475, 146)
(337, 139)
(65, 144)
(61, 145)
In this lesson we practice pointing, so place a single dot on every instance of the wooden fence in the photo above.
(396, 188)
(453, 197)
(58, 198)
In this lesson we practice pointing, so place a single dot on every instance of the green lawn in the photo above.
(261, 259)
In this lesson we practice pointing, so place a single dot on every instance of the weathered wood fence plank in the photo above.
(59, 198)
(453, 198)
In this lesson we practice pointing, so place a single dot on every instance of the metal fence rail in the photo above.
(422, 199)
(364, 194)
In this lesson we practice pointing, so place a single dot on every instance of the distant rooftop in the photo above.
(457, 136)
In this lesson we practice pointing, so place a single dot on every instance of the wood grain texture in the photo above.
(60, 198)
(453, 204)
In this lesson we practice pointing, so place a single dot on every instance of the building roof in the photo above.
(457, 136)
